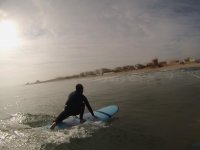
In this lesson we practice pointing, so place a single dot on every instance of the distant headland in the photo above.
(154, 65)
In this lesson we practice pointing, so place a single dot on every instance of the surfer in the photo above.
(75, 105)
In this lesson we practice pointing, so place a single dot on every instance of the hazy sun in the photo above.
(9, 37)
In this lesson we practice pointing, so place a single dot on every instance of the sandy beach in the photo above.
(147, 70)
(166, 67)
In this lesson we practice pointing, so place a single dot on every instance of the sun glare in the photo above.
(9, 37)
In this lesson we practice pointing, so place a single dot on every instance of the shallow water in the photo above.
(158, 110)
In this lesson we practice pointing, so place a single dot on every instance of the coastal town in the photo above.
(155, 64)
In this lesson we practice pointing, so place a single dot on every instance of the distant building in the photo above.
(150, 64)
(162, 63)
(192, 60)
(189, 59)
(127, 68)
(88, 73)
(118, 69)
(102, 71)
(155, 62)
(174, 62)
(182, 62)
(139, 66)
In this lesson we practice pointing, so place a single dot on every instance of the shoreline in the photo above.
(149, 70)
(167, 67)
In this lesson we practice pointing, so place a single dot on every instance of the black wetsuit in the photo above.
(75, 105)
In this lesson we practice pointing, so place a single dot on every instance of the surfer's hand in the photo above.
(53, 125)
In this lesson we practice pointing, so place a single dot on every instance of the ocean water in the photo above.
(158, 111)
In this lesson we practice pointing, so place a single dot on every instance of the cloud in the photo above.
(104, 33)
(107, 22)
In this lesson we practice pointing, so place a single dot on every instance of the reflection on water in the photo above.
(26, 131)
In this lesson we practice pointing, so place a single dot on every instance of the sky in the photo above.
(65, 37)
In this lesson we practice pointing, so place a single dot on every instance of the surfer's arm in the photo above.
(88, 106)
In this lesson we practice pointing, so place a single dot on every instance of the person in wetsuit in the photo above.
(75, 105)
